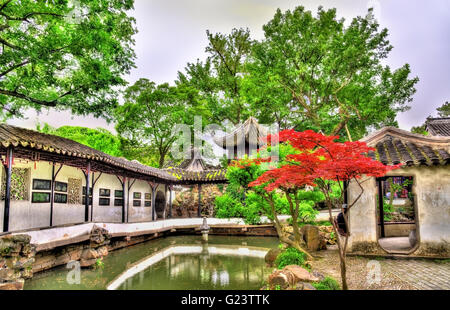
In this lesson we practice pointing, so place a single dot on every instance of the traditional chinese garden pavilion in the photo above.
(243, 140)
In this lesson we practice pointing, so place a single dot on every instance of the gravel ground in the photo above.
(358, 268)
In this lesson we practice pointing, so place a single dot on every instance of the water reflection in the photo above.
(196, 267)
(228, 262)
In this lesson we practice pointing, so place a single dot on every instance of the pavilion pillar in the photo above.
(52, 192)
(94, 181)
(199, 211)
(170, 201)
(86, 203)
(124, 194)
(8, 170)
(130, 185)
(380, 206)
(153, 186)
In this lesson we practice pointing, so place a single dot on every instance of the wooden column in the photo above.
(8, 170)
(94, 181)
(52, 193)
(170, 201)
(199, 211)
(124, 181)
(130, 185)
(86, 204)
(153, 186)
(380, 206)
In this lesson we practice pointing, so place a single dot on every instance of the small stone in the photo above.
(271, 256)
(300, 274)
(75, 254)
(6, 274)
(89, 254)
(311, 237)
(279, 278)
(87, 262)
(102, 251)
(16, 285)
(308, 287)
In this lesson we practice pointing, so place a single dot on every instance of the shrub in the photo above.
(328, 283)
(290, 256)
(227, 207)
(388, 209)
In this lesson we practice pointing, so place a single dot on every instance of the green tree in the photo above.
(420, 129)
(218, 79)
(148, 116)
(444, 110)
(99, 139)
(313, 72)
(64, 54)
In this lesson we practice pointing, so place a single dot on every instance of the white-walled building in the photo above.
(44, 181)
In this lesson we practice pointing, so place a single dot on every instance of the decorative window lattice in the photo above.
(20, 184)
(74, 191)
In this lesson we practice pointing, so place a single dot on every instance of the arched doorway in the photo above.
(160, 204)
(396, 214)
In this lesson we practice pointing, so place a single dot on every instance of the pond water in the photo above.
(175, 263)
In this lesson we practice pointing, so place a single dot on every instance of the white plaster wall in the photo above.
(432, 188)
(432, 193)
(25, 215)
(362, 220)
(109, 213)
(142, 213)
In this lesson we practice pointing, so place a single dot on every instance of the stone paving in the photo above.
(420, 273)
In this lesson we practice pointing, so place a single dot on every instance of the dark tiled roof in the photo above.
(195, 159)
(250, 129)
(30, 139)
(205, 176)
(438, 126)
(395, 146)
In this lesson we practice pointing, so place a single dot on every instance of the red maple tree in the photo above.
(318, 161)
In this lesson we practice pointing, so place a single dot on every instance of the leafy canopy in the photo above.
(313, 72)
(217, 80)
(64, 54)
(99, 139)
(149, 114)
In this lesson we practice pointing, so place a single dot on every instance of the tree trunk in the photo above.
(281, 236)
(343, 272)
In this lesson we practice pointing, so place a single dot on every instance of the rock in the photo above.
(271, 256)
(24, 262)
(318, 275)
(300, 274)
(102, 251)
(16, 285)
(75, 254)
(311, 237)
(308, 287)
(185, 203)
(87, 262)
(281, 279)
(89, 254)
(7, 274)
(62, 259)
(27, 273)
(99, 236)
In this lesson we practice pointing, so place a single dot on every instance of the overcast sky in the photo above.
(173, 32)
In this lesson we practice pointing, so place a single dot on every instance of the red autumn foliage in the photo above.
(320, 157)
